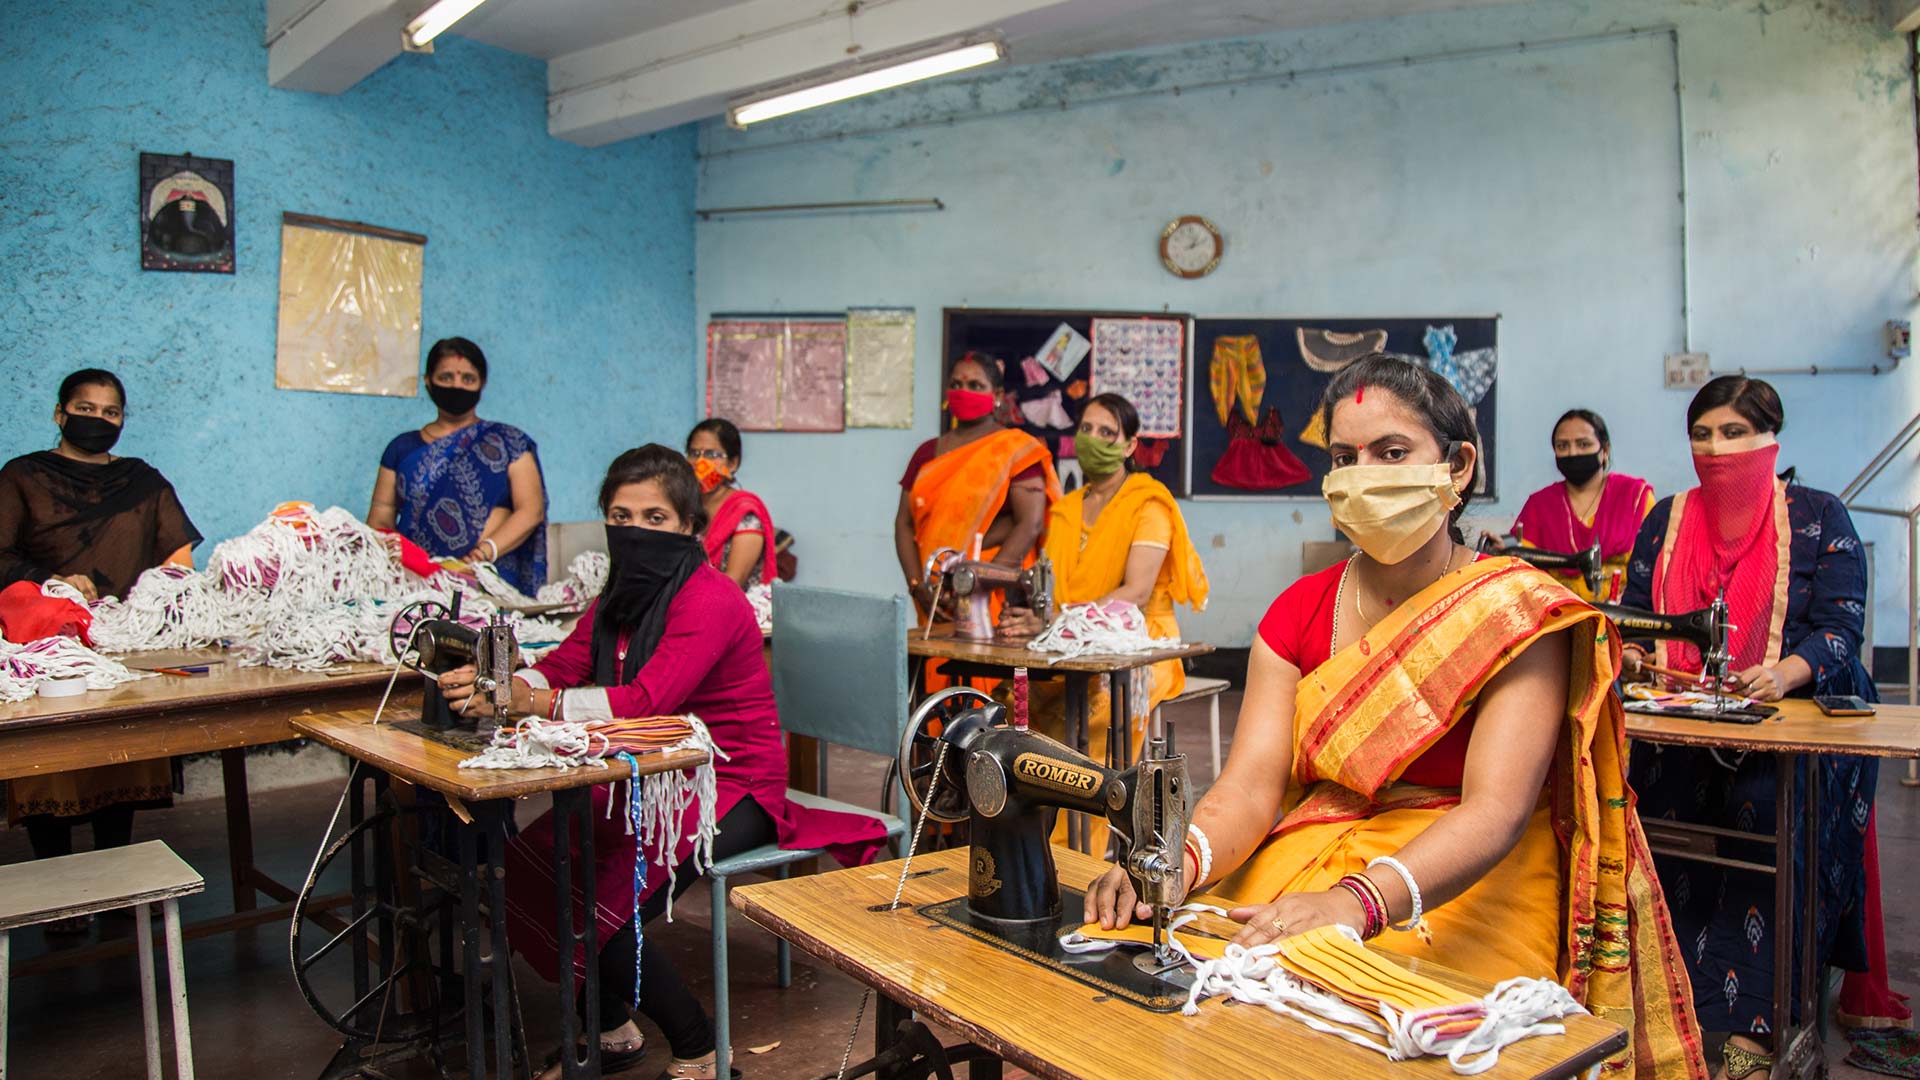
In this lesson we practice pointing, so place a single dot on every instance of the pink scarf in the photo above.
(1547, 520)
(727, 519)
(1727, 536)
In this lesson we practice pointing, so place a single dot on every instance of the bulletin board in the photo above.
(1044, 397)
(778, 374)
(1265, 376)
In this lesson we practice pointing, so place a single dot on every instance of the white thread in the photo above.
(1206, 856)
(1113, 628)
(303, 589)
(24, 667)
(586, 576)
(1413, 888)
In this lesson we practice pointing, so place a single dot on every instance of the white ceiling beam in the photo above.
(691, 69)
(328, 46)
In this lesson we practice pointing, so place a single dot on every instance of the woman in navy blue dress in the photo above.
(1789, 563)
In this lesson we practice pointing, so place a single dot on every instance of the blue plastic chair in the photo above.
(839, 676)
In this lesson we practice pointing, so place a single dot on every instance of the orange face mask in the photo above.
(711, 474)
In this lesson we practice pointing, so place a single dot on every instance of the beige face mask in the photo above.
(1390, 510)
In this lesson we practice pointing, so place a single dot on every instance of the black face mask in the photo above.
(1578, 468)
(90, 434)
(643, 562)
(453, 400)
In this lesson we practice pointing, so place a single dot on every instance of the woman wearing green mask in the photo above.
(1119, 536)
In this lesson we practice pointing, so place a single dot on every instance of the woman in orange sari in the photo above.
(978, 481)
(1118, 537)
(1392, 726)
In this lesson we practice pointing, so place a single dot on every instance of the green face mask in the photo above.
(1098, 457)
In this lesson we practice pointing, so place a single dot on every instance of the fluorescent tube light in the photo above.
(434, 21)
(898, 73)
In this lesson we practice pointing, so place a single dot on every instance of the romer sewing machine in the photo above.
(430, 639)
(1008, 783)
(1588, 564)
(1707, 629)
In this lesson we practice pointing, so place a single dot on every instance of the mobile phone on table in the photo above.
(1843, 705)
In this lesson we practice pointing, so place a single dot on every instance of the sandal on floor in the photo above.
(1741, 1063)
(611, 1060)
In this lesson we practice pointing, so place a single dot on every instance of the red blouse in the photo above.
(1299, 628)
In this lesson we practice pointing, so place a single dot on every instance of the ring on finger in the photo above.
(1278, 924)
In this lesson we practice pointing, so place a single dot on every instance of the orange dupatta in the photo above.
(1376, 705)
(959, 493)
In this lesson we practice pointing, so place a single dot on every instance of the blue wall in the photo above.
(572, 268)
(1541, 185)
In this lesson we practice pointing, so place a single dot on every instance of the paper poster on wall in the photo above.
(349, 308)
(778, 374)
(880, 367)
(1063, 351)
(186, 213)
(1143, 360)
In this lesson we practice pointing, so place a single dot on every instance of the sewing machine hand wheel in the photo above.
(400, 630)
(920, 748)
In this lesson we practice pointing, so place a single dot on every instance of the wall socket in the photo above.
(1687, 370)
(1899, 339)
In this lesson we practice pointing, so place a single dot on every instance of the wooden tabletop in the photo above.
(436, 765)
(1799, 727)
(1010, 656)
(225, 683)
(989, 995)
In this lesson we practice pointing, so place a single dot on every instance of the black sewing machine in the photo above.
(972, 583)
(1008, 783)
(1587, 564)
(1707, 629)
(429, 638)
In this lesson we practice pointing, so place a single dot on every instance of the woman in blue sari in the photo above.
(463, 487)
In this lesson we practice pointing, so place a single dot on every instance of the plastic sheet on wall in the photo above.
(349, 309)
(778, 374)
(880, 367)
(1144, 361)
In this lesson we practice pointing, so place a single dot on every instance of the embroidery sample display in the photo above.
(1143, 360)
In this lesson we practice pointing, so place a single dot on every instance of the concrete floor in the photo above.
(249, 1020)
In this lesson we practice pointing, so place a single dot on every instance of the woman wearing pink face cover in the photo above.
(1790, 565)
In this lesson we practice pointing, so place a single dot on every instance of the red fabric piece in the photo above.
(1298, 627)
(1256, 459)
(1865, 995)
(726, 521)
(1151, 452)
(1547, 521)
(927, 451)
(413, 558)
(709, 663)
(1728, 539)
(29, 615)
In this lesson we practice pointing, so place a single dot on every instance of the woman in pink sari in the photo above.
(739, 533)
(669, 634)
(1592, 504)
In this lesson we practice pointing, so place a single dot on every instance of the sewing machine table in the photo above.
(1060, 1029)
(1798, 731)
(483, 801)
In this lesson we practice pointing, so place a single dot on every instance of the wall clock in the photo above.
(1191, 246)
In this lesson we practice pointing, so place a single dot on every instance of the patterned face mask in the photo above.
(711, 474)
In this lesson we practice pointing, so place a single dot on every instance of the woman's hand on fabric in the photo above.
(1633, 664)
(1294, 913)
(486, 551)
(83, 583)
(1019, 622)
(1761, 683)
(1113, 904)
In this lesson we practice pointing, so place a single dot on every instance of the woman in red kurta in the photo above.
(668, 635)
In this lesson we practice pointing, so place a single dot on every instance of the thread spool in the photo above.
(1020, 698)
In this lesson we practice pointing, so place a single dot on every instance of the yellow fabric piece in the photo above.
(1207, 948)
(1576, 899)
(1089, 562)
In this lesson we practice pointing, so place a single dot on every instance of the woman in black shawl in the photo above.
(79, 514)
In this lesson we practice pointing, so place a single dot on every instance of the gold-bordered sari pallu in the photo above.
(1577, 899)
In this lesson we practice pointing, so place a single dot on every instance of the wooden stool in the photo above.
(1198, 688)
(94, 881)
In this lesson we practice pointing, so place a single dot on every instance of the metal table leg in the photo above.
(573, 825)
(467, 838)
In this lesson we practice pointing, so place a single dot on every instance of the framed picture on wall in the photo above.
(186, 214)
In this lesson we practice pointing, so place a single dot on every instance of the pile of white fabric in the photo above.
(1113, 628)
(24, 667)
(761, 597)
(303, 589)
(586, 576)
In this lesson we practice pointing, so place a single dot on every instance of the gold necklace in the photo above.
(1361, 611)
